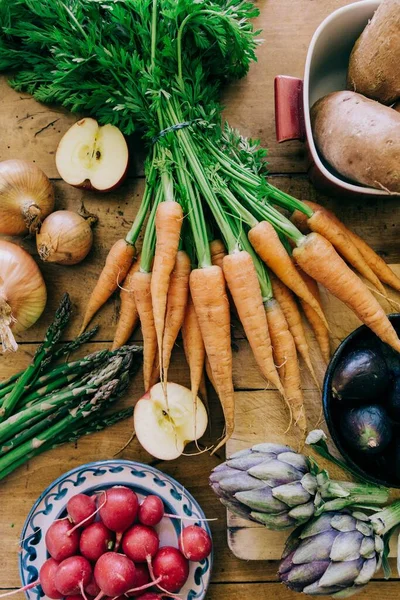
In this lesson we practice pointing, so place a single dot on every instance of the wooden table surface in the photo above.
(32, 131)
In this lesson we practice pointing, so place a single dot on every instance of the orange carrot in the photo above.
(177, 299)
(128, 314)
(317, 257)
(142, 292)
(376, 263)
(169, 218)
(118, 262)
(268, 246)
(286, 359)
(292, 315)
(241, 277)
(207, 287)
(320, 331)
(321, 223)
(193, 346)
(218, 251)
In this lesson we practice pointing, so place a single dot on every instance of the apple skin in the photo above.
(93, 157)
(164, 430)
(87, 184)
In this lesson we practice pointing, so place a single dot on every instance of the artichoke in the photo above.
(280, 488)
(337, 553)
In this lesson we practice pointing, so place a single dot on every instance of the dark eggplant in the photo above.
(366, 429)
(361, 375)
(393, 402)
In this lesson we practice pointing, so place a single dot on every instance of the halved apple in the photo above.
(93, 157)
(164, 430)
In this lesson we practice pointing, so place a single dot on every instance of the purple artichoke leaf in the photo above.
(309, 483)
(367, 572)
(298, 461)
(316, 526)
(220, 472)
(314, 589)
(303, 512)
(342, 574)
(240, 481)
(240, 453)
(261, 500)
(292, 494)
(237, 508)
(275, 472)
(303, 575)
(364, 528)
(346, 546)
(367, 548)
(244, 463)
(317, 547)
(275, 522)
(343, 522)
(285, 565)
(273, 448)
(292, 542)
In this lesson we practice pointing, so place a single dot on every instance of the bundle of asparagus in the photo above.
(47, 405)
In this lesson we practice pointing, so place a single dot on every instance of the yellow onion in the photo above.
(65, 237)
(26, 197)
(22, 293)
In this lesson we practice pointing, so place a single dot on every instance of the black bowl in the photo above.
(379, 469)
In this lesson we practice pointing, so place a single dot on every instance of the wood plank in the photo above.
(249, 102)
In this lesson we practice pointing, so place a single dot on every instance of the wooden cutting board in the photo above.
(261, 416)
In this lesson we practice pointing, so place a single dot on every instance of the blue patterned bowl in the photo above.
(95, 476)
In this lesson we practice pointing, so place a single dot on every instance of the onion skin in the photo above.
(26, 197)
(22, 293)
(65, 238)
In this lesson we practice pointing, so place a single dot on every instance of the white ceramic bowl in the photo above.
(92, 477)
(325, 71)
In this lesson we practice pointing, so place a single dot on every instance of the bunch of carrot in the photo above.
(258, 262)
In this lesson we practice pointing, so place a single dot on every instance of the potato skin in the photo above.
(360, 138)
(374, 66)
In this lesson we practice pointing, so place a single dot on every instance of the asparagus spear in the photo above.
(66, 348)
(95, 425)
(52, 434)
(30, 432)
(40, 358)
(71, 395)
(62, 375)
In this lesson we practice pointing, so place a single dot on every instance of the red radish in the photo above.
(172, 567)
(95, 541)
(119, 511)
(46, 577)
(114, 574)
(73, 575)
(151, 511)
(79, 597)
(140, 543)
(149, 596)
(92, 589)
(61, 541)
(82, 509)
(142, 577)
(195, 543)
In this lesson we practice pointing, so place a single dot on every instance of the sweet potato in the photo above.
(360, 138)
(374, 66)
